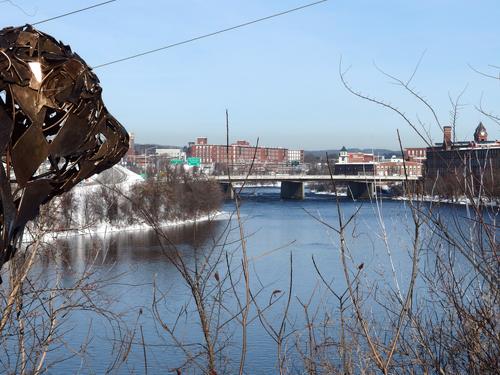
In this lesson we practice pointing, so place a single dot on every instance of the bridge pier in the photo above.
(359, 187)
(361, 190)
(292, 190)
(228, 190)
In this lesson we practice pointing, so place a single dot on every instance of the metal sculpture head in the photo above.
(54, 128)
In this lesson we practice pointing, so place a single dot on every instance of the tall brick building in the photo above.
(454, 161)
(242, 153)
(453, 157)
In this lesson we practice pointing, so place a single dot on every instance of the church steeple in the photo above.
(343, 158)
(480, 135)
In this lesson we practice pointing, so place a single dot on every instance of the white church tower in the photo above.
(343, 157)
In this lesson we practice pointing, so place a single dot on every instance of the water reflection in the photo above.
(134, 247)
(275, 230)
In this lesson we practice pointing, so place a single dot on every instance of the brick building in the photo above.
(131, 146)
(415, 154)
(358, 163)
(360, 157)
(354, 157)
(242, 153)
(454, 160)
(397, 168)
(354, 163)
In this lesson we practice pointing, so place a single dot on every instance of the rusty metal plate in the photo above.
(51, 110)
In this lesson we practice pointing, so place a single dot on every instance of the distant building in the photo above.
(355, 169)
(478, 157)
(139, 160)
(242, 153)
(354, 157)
(296, 156)
(201, 140)
(343, 156)
(354, 163)
(415, 154)
(359, 163)
(398, 167)
(128, 158)
(171, 153)
(480, 134)
(360, 157)
(131, 145)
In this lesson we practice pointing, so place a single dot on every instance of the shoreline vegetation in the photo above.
(120, 200)
(337, 332)
(115, 200)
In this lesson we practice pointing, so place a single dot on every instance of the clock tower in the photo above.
(480, 135)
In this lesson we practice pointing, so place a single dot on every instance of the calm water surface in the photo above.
(275, 230)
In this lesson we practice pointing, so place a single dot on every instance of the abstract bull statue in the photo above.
(54, 128)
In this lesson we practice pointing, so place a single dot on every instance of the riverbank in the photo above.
(119, 200)
(462, 201)
(106, 228)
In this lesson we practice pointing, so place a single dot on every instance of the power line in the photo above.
(73, 12)
(210, 34)
(15, 5)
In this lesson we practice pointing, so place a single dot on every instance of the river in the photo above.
(282, 237)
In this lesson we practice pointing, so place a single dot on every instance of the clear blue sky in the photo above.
(279, 79)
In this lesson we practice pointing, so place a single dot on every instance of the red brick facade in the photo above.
(237, 153)
(397, 168)
(415, 153)
(359, 157)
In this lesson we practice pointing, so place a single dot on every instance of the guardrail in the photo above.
(283, 177)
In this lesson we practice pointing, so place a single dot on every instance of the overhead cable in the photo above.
(210, 34)
(73, 12)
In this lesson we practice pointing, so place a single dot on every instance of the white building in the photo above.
(343, 157)
(296, 156)
(173, 153)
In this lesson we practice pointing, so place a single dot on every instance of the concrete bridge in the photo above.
(292, 186)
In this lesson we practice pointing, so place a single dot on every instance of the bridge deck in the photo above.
(310, 178)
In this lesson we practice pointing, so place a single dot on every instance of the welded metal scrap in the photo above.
(54, 128)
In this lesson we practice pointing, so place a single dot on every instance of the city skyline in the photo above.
(279, 79)
(235, 141)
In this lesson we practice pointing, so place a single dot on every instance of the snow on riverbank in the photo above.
(329, 193)
(105, 228)
(463, 201)
(119, 179)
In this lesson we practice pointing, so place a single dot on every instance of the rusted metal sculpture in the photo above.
(54, 128)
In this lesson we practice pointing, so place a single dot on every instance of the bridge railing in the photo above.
(305, 177)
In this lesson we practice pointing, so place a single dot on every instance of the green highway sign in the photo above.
(176, 161)
(194, 162)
